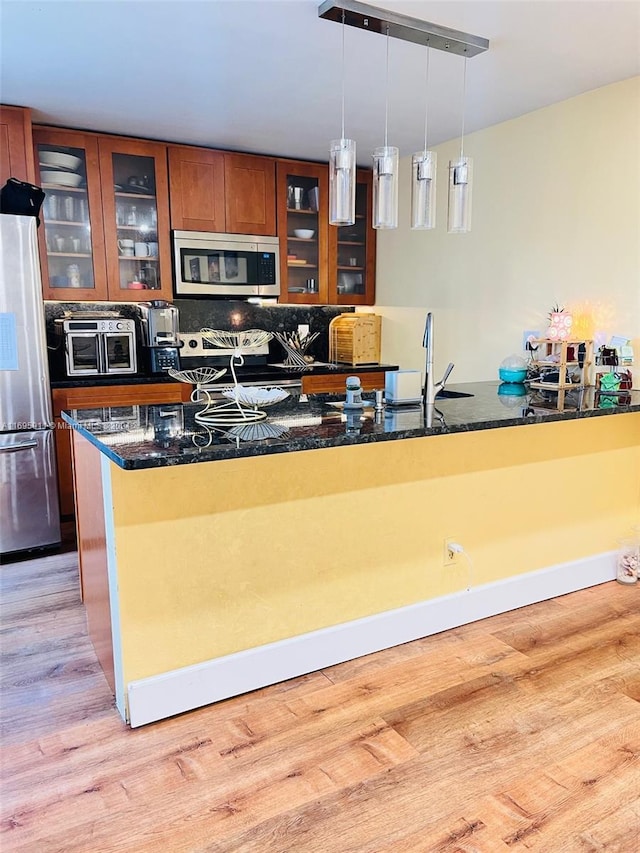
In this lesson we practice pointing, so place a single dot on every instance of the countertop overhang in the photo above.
(137, 437)
(168, 434)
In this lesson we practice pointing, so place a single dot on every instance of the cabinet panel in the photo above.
(96, 397)
(135, 201)
(335, 383)
(352, 251)
(335, 266)
(250, 194)
(303, 216)
(196, 189)
(72, 255)
(16, 152)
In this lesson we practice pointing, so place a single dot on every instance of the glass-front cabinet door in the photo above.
(71, 241)
(136, 218)
(302, 198)
(353, 253)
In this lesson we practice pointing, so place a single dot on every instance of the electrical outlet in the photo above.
(525, 339)
(448, 556)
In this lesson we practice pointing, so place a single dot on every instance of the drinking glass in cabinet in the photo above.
(136, 221)
(66, 216)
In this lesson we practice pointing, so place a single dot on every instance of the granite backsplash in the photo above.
(227, 314)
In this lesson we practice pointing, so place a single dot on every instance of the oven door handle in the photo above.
(103, 363)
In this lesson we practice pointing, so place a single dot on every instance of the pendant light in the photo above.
(385, 159)
(459, 213)
(385, 173)
(342, 171)
(423, 175)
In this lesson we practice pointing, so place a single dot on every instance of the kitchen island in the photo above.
(214, 563)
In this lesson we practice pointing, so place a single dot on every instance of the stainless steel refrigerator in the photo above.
(29, 514)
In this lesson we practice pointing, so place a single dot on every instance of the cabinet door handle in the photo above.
(21, 445)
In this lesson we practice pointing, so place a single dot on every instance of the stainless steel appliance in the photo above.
(229, 265)
(29, 514)
(160, 336)
(198, 352)
(95, 345)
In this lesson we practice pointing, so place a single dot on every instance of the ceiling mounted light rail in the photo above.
(403, 27)
(385, 159)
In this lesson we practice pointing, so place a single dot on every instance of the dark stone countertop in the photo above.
(154, 436)
(251, 373)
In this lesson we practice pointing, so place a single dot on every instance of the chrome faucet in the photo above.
(431, 388)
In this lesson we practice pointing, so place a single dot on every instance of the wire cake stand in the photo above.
(242, 406)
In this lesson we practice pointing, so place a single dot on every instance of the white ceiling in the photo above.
(265, 75)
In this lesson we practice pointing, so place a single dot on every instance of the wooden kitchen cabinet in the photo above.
(135, 204)
(16, 152)
(332, 266)
(196, 189)
(302, 194)
(72, 252)
(98, 397)
(250, 194)
(106, 217)
(352, 251)
(221, 192)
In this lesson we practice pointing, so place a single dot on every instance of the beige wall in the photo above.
(556, 217)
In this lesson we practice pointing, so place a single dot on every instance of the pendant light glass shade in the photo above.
(423, 190)
(342, 182)
(459, 217)
(385, 187)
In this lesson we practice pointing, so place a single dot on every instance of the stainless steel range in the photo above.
(197, 352)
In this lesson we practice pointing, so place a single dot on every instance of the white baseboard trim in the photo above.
(190, 687)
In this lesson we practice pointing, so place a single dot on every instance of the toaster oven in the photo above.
(94, 347)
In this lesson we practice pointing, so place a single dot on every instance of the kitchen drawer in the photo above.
(335, 383)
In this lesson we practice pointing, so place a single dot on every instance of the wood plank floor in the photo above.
(517, 733)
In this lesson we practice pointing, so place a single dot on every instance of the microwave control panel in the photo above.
(267, 268)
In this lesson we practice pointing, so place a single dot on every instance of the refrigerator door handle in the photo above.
(20, 445)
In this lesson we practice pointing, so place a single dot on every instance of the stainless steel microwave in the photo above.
(225, 265)
(94, 347)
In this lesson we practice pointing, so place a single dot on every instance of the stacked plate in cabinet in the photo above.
(61, 169)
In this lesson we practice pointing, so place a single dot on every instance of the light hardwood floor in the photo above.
(517, 733)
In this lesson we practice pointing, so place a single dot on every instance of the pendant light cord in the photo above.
(426, 98)
(464, 93)
(386, 97)
(342, 137)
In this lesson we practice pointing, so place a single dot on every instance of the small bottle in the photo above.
(132, 216)
(354, 393)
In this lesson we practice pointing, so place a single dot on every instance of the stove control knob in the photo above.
(193, 343)
(119, 325)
